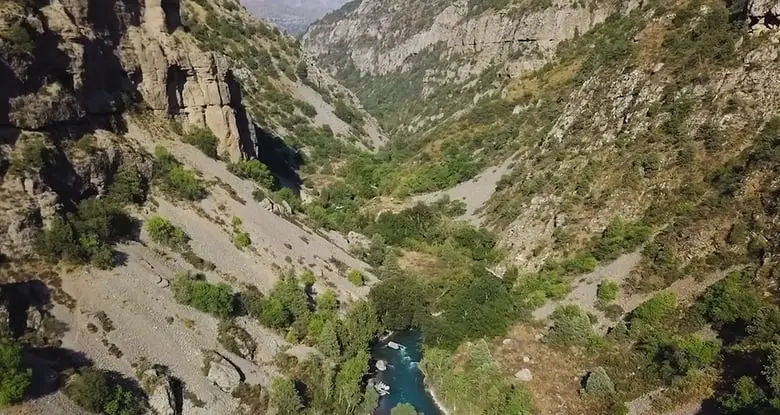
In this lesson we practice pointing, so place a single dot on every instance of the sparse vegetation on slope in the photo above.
(175, 180)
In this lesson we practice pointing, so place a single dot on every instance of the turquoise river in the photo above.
(402, 375)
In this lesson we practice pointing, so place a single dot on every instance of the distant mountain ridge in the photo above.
(294, 16)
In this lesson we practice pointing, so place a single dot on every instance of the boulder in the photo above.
(282, 209)
(357, 241)
(162, 399)
(524, 375)
(222, 372)
(34, 318)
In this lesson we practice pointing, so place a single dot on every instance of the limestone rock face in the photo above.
(383, 36)
(358, 241)
(92, 59)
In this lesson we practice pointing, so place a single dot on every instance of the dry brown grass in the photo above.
(533, 85)
(383, 204)
(420, 263)
(650, 46)
(556, 374)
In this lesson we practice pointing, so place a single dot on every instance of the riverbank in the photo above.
(431, 391)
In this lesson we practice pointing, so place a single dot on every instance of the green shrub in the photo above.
(571, 327)
(284, 397)
(28, 156)
(174, 179)
(286, 304)
(288, 195)
(307, 109)
(162, 231)
(599, 383)
(241, 239)
(686, 354)
(195, 291)
(128, 185)
(607, 292)
(654, 310)
(87, 145)
(19, 38)
(253, 170)
(308, 278)
(198, 262)
(348, 114)
(203, 139)
(745, 396)
(258, 195)
(236, 340)
(356, 277)
(403, 409)
(580, 264)
(735, 298)
(95, 391)
(302, 71)
(86, 235)
(620, 237)
(15, 378)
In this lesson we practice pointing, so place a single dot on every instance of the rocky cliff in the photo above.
(69, 61)
(446, 45)
(69, 68)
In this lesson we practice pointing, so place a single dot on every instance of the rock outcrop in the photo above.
(764, 14)
(162, 399)
(72, 60)
(222, 372)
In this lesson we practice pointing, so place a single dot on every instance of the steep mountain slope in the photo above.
(632, 174)
(150, 261)
(412, 66)
(292, 16)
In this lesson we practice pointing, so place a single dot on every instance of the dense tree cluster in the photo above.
(473, 383)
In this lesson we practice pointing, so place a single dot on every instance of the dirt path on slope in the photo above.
(475, 192)
(583, 292)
